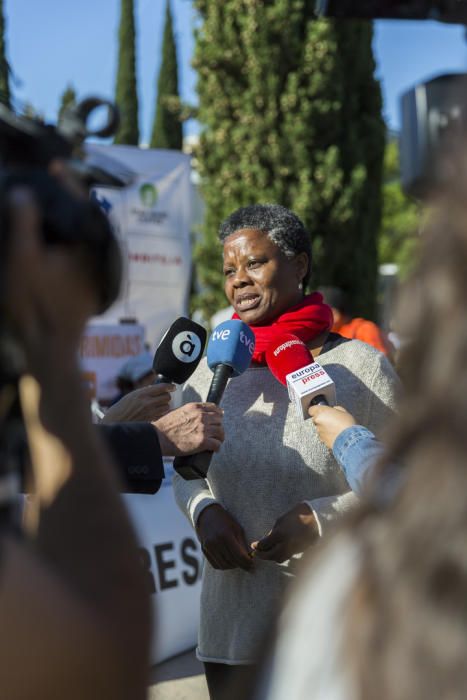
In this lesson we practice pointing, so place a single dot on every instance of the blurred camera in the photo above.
(27, 149)
(29, 152)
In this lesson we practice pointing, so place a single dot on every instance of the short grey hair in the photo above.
(281, 225)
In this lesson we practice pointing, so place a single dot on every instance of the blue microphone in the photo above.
(230, 349)
(229, 354)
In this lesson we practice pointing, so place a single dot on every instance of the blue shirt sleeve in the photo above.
(357, 451)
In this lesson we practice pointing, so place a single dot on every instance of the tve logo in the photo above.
(249, 342)
(221, 335)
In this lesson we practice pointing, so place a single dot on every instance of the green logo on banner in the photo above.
(148, 195)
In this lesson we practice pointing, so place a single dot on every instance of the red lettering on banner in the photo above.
(155, 258)
(110, 345)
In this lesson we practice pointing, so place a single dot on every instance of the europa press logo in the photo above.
(148, 195)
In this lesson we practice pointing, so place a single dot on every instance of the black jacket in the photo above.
(136, 449)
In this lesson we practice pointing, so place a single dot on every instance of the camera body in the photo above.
(29, 151)
(28, 148)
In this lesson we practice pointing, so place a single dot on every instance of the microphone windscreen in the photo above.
(231, 343)
(286, 354)
(180, 350)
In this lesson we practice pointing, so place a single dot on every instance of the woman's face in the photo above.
(260, 282)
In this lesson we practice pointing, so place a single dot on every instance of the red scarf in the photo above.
(306, 320)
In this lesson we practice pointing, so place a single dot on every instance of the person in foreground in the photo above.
(273, 488)
(73, 600)
(399, 569)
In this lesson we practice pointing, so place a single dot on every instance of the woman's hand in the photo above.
(222, 539)
(330, 422)
(292, 533)
(146, 404)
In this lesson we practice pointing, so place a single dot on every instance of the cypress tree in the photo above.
(126, 95)
(5, 94)
(167, 128)
(291, 113)
(68, 99)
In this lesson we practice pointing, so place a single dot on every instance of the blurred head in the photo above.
(136, 373)
(407, 625)
(339, 302)
(267, 261)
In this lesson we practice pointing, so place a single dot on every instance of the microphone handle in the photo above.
(196, 466)
(192, 467)
(222, 374)
(319, 400)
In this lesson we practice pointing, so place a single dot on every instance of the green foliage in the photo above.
(5, 94)
(167, 127)
(68, 99)
(126, 95)
(398, 240)
(292, 114)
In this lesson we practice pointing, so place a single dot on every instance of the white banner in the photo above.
(151, 216)
(172, 559)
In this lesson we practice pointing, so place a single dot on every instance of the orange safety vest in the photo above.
(368, 332)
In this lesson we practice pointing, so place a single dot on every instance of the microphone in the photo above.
(179, 352)
(229, 353)
(307, 382)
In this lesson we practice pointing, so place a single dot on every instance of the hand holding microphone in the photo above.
(330, 422)
(146, 404)
(176, 358)
(230, 349)
(195, 427)
(191, 428)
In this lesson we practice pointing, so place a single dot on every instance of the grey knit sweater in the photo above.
(270, 461)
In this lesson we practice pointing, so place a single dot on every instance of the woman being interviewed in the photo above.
(273, 488)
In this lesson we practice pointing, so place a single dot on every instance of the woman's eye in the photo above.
(228, 272)
(253, 264)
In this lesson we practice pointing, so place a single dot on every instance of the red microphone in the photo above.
(293, 365)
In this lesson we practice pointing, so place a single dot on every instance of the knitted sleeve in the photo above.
(192, 497)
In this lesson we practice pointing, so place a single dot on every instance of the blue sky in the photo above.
(51, 43)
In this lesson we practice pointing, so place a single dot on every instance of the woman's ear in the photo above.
(301, 265)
